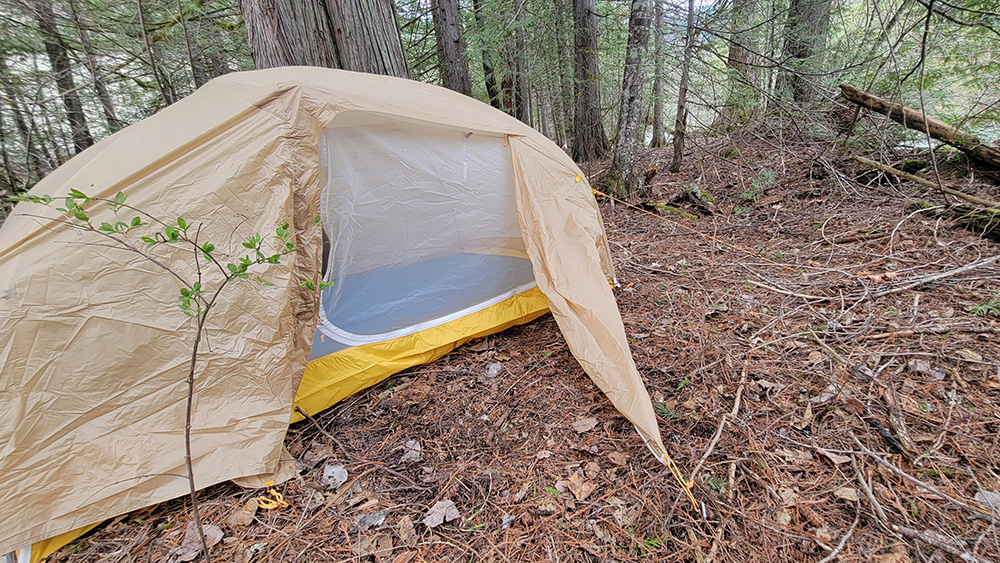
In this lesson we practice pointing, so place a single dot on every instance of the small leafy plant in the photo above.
(141, 233)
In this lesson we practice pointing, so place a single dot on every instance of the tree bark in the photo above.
(659, 135)
(451, 52)
(489, 74)
(680, 122)
(58, 53)
(367, 36)
(359, 35)
(742, 95)
(38, 162)
(805, 38)
(166, 90)
(589, 139)
(914, 119)
(90, 60)
(564, 22)
(521, 98)
(632, 105)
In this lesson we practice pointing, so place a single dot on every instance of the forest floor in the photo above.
(812, 348)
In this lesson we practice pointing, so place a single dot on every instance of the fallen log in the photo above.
(926, 183)
(914, 119)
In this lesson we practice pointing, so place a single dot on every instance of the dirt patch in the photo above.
(822, 355)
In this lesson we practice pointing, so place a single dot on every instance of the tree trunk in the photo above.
(914, 119)
(805, 38)
(12, 181)
(742, 91)
(58, 53)
(589, 139)
(289, 32)
(90, 60)
(166, 90)
(680, 122)
(659, 136)
(489, 75)
(37, 160)
(564, 22)
(632, 105)
(451, 52)
(521, 98)
(367, 36)
(359, 35)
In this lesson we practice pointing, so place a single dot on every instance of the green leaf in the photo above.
(78, 194)
(316, 219)
(79, 214)
(122, 227)
(136, 221)
(182, 223)
(248, 244)
(196, 287)
(185, 292)
(274, 259)
(208, 247)
(172, 234)
(232, 268)
(119, 198)
(106, 227)
(308, 284)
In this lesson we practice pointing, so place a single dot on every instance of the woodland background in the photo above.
(593, 76)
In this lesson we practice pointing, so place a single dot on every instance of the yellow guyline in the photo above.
(695, 231)
(685, 485)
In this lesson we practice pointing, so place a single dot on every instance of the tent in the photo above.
(445, 220)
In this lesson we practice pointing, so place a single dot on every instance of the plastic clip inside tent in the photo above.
(685, 485)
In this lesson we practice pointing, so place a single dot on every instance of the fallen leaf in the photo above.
(543, 454)
(815, 357)
(546, 508)
(847, 493)
(411, 452)
(380, 545)
(623, 514)
(507, 520)
(442, 511)
(190, 548)
(243, 516)
(807, 417)
(969, 355)
(580, 486)
(333, 476)
(405, 557)
(919, 366)
(407, 533)
(827, 394)
(366, 522)
(584, 425)
(617, 458)
(523, 492)
(788, 496)
(837, 459)
(783, 517)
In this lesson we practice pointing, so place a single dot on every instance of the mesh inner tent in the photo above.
(422, 229)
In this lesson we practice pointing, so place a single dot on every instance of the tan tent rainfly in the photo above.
(94, 350)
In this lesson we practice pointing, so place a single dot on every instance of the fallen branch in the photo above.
(926, 183)
(945, 496)
(936, 542)
(914, 119)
